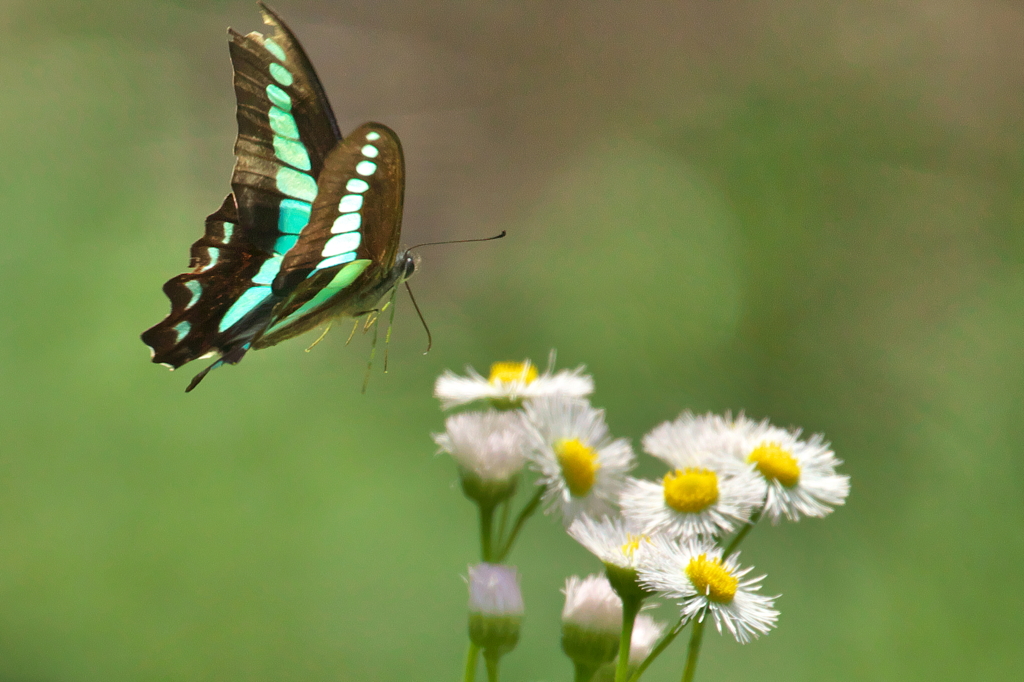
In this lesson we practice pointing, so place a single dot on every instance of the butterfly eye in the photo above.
(409, 265)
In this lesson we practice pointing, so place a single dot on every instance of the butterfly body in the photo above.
(310, 230)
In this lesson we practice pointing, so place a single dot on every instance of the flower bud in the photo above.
(495, 608)
(488, 449)
(591, 621)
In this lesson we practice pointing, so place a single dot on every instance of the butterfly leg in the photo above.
(391, 323)
(321, 337)
(373, 351)
(354, 328)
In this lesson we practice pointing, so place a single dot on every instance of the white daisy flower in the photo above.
(489, 449)
(611, 539)
(646, 633)
(708, 491)
(679, 443)
(694, 572)
(581, 467)
(509, 384)
(618, 545)
(800, 474)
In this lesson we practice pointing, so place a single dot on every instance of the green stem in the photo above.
(630, 607)
(492, 667)
(486, 523)
(470, 673)
(743, 533)
(526, 513)
(694, 649)
(662, 645)
(583, 672)
(506, 510)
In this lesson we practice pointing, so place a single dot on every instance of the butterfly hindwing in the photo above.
(224, 265)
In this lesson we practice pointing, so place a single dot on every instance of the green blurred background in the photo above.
(809, 211)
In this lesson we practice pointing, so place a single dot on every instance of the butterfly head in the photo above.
(407, 261)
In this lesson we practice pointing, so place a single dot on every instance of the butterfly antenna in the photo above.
(321, 337)
(391, 323)
(460, 241)
(430, 339)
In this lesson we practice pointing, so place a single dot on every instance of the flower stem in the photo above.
(506, 509)
(694, 649)
(470, 673)
(525, 514)
(486, 524)
(583, 672)
(755, 517)
(630, 607)
(662, 645)
(492, 667)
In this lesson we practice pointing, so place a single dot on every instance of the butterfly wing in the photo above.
(222, 266)
(286, 130)
(348, 250)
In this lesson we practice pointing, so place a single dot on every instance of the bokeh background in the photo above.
(810, 211)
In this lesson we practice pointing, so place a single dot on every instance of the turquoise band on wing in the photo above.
(275, 49)
(293, 215)
(214, 253)
(346, 223)
(348, 241)
(182, 329)
(283, 123)
(281, 75)
(245, 304)
(279, 98)
(349, 203)
(357, 185)
(296, 184)
(195, 287)
(268, 271)
(344, 278)
(291, 152)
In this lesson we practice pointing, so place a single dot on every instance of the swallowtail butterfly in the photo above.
(310, 230)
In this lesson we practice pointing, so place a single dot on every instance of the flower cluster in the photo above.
(544, 419)
(674, 537)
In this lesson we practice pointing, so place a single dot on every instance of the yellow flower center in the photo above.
(776, 464)
(691, 490)
(506, 372)
(633, 544)
(579, 465)
(712, 579)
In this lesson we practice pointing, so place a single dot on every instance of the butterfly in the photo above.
(310, 229)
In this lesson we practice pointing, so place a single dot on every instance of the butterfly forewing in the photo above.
(286, 129)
